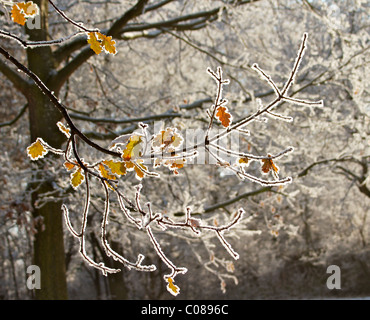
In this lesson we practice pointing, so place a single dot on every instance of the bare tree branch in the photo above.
(14, 77)
(63, 74)
(16, 118)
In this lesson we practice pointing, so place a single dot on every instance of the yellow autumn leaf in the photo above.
(17, 15)
(108, 43)
(140, 169)
(132, 148)
(22, 10)
(30, 9)
(243, 161)
(116, 167)
(95, 45)
(105, 174)
(77, 178)
(99, 42)
(69, 166)
(172, 288)
(37, 149)
(139, 173)
(130, 165)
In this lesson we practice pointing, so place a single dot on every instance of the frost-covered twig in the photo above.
(76, 24)
(81, 236)
(109, 251)
(32, 44)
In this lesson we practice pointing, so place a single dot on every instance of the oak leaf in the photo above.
(130, 165)
(243, 161)
(69, 166)
(116, 167)
(178, 164)
(29, 8)
(119, 141)
(17, 15)
(99, 42)
(108, 44)
(132, 148)
(224, 116)
(77, 178)
(95, 45)
(105, 174)
(268, 164)
(167, 138)
(140, 170)
(137, 166)
(22, 10)
(37, 149)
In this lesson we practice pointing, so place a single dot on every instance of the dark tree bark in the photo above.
(49, 252)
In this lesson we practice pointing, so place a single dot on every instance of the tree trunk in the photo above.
(117, 285)
(49, 252)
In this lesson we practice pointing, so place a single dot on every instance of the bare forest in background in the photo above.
(183, 149)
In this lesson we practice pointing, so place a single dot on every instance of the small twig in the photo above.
(16, 118)
(76, 24)
(218, 101)
(30, 44)
(249, 155)
(109, 251)
(267, 78)
(163, 257)
(296, 65)
(81, 235)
